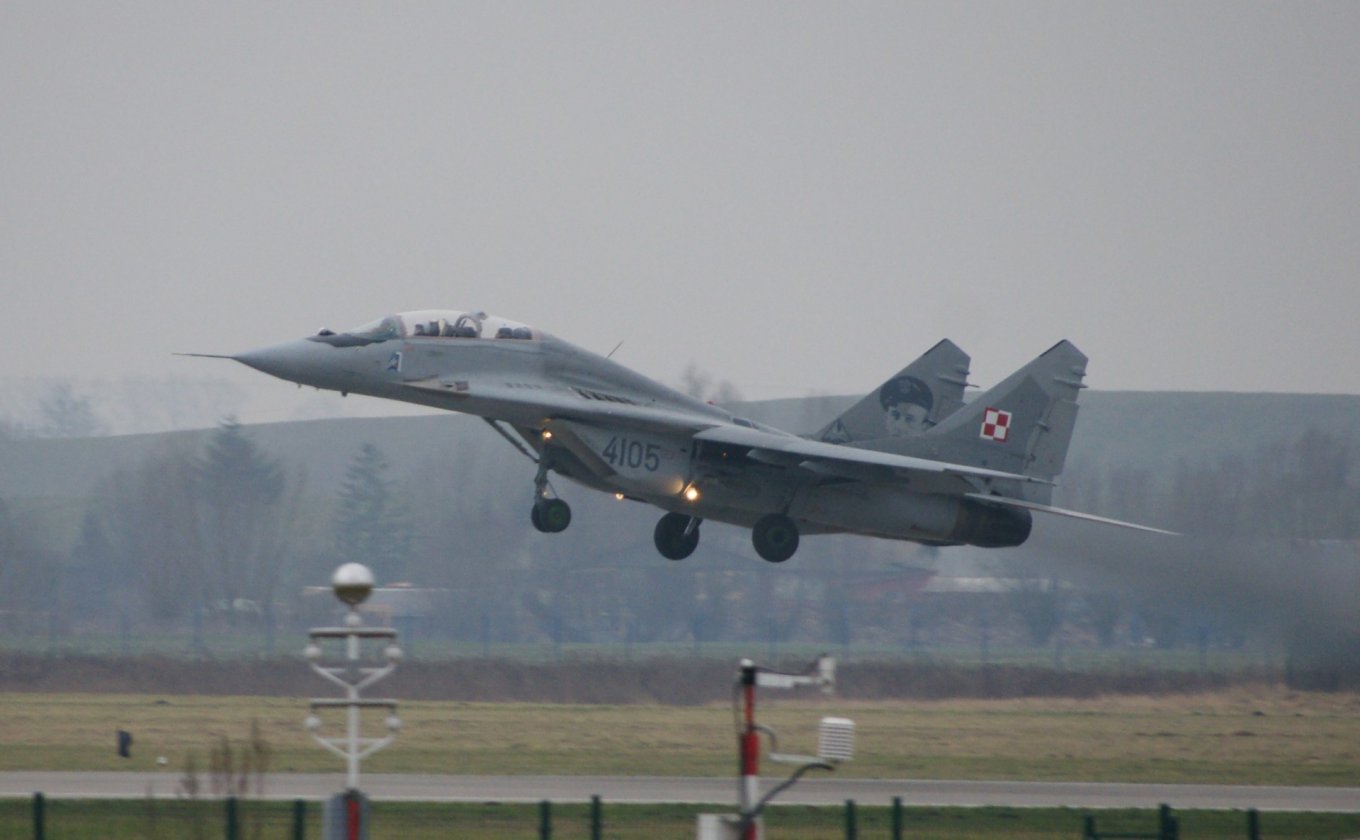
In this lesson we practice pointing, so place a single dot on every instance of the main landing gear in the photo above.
(775, 537)
(676, 536)
(549, 515)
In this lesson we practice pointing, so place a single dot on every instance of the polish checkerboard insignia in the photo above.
(996, 424)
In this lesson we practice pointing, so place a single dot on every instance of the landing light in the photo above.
(691, 493)
(547, 435)
(618, 496)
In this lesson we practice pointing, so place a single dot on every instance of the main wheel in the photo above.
(775, 537)
(551, 516)
(670, 536)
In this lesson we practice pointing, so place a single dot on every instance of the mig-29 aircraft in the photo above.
(910, 461)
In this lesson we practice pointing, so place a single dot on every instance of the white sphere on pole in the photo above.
(353, 583)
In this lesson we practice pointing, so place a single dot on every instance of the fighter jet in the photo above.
(910, 461)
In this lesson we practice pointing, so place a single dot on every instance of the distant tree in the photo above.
(99, 578)
(8, 541)
(701, 385)
(1102, 613)
(1039, 605)
(149, 515)
(710, 611)
(1304, 489)
(11, 429)
(246, 510)
(30, 576)
(1132, 493)
(66, 415)
(371, 526)
(12, 548)
(1297, 488)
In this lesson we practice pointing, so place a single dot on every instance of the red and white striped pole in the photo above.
(750, 750)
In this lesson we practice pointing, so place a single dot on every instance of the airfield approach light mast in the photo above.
(352, 583)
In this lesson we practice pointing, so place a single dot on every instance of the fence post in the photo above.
(39, 816)
(1088, 828)
(1253, 824)
(545, 820)
(897, 818)
(1167, 827)
(233, 828)
(596, 819)
(299, 819)
(851, 827)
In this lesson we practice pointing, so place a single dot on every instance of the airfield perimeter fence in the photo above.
(252, 819)
(247, 819)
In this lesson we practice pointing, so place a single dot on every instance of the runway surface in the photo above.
(816, 791)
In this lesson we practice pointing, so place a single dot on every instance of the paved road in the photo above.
(823, 791)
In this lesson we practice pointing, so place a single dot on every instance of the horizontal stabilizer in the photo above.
(1071, 514)
(925, 474)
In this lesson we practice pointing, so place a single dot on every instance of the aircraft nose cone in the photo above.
(271, 360)
(295, 361)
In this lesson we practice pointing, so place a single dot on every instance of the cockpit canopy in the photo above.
(434, 323)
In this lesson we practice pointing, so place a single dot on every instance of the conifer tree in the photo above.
(370, 525)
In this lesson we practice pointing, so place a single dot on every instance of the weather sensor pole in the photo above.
(347, 813)
(835, 743)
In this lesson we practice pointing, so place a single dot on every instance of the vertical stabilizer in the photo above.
(1022, 425)
(913, 401)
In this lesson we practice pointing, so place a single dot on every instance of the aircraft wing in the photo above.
(839, 461)
(1070, 514)
(532, 406)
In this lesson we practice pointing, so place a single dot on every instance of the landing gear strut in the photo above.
(676, 535)
(775, 537)
(549, 515)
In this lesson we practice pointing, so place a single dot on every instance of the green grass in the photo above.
(98, 820)
(1238, 736)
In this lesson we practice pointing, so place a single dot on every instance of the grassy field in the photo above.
(1261, 736)
(491, 821)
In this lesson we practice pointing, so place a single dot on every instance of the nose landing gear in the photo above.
(549, 515)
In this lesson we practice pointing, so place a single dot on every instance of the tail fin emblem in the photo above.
(996, 424)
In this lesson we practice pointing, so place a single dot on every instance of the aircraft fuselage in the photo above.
(911, 460)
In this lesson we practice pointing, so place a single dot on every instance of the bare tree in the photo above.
(701, 385)
(149, 516)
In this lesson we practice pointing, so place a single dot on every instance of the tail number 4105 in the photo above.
(634, 454)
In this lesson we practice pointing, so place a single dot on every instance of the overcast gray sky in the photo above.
(797, 197)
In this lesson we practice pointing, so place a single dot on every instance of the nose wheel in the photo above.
(549, 514)
(775, 537)
(676, 535)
